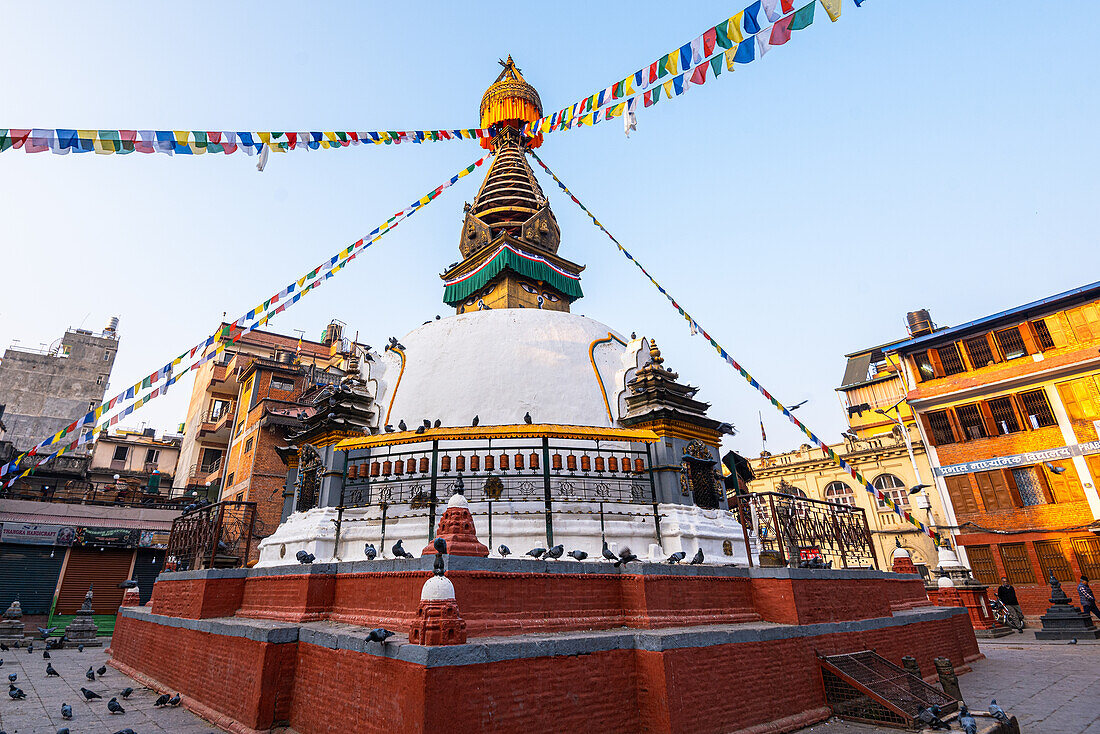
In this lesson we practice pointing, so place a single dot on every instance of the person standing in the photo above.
(1006, 592)
(1088, 599)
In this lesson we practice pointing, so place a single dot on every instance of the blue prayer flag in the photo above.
(752, 25)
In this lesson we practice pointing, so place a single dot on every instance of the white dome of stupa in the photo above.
(500, 364)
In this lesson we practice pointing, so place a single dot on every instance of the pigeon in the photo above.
(400, 552)
(13, 677)
(30, 647)
(389, 428)
(89, 695)
(80, 648)
(437, 423)
(161, 700)
(115, 707)
(63, 730)
(625, 557)
(997, 712)
(401, 426)
(379, 635)
(174, 700)
(1072, 642)
(304, 558)
(475, 421)
(16, 693)
(427, 423)
(128, 584)
(90, 675)
(607, 554)
(419, 430)
(51, 672)
(676, 557)
(46, 631)
(930, 718)
(66, 711)
(966, 721)
(527, 417)
(101, 671)
(556, 552)
(504, 551)
(697, 558)
(1, 662)
(3, 647)
(126, 692)
(127, 730)
(371, 551)
(577, 555)
(45, 654)
(536, 552)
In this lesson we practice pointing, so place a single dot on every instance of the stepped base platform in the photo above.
(552, 646)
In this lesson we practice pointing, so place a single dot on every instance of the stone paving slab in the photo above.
(40, 712)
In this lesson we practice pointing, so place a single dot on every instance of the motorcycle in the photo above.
(1007, 617)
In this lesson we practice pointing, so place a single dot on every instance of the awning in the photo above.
(522, 430)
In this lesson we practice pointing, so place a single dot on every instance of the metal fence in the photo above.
(214, 536)
(804, 530)
(80, 492)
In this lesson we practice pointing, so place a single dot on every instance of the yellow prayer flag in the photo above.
(265, 138)
(832, 7)
(669, 91)
(628, 86)
(734, 28)
(330, 136)
(730, 53)
(616, 110)
(324, 144)
(671, 65)
(103, 147)
(181, 136)
(196, 148)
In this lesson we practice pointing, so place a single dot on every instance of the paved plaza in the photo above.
(40, 711)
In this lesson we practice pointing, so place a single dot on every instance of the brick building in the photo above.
(1009, 406)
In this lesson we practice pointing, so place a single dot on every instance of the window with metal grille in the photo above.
(1017, 566)
(1029, 485)
(1053, 560)
(281, 383)
(1004, 416)
(840, 492)
(941, 428)
(1037, 408)
(979, 351)
(924, 365)
(950, 359)
(248, 445)
(1042, 334)
(893, 488)
(1087, 551)
(970, 418)
(981, 563)
(1011, 343)
(120, 453)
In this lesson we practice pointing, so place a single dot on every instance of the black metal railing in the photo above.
(213, 536)
(80, 492)
(807, 531)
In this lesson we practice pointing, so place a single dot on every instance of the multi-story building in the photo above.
(894, 461)
(43, 391)
(135, 461)
(1009, 406)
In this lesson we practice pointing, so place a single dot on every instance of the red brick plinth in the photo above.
(903, 564)
(438, 623)
(457, 528)
(131, 598)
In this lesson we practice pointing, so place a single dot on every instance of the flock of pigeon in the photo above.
(113, 706)
(929, 718)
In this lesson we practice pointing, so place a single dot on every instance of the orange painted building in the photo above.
(1009, 407)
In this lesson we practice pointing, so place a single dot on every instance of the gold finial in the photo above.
(655, 353)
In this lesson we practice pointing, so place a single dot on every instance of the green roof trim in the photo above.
(507, 258)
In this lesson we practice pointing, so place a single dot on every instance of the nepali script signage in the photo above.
(1015, 460)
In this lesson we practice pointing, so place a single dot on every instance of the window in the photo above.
(240, 496)
(940, 424)
(1042, 334)
(979, 351)
(950, 359)
(1011, 343)
(152, 456)
(970, 418)
(893, 488)
(961, 494)
(107, 355)
(229, 480)
(1053, 560)
(1087, 551)
(120, 453)
(99, 379)
(841, 493)
(1017, 566)
(1085, 322)
(993, 487)
(1064, 486)
(1037, 409)
(91, 405)
(248, 445)
(217, 408)
(981, 563)
(1004, 415)
(925, 368)
(1080, 398)
(281, 383)
(1030, 485)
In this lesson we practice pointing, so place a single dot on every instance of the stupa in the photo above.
(562, 429)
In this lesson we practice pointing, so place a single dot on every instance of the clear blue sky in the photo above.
(934, 154)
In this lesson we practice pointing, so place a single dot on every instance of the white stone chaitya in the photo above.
(563, 369)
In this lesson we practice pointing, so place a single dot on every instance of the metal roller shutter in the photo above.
(148, 566)
(103, 569)
(27, 573)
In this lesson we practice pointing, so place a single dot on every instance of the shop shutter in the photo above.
(148, 566)
(102, 569)
(27, 573)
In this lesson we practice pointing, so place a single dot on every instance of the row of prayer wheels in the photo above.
(488, 462)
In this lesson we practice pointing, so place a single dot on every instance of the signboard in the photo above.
(1015, 460)
(154, 539)
(111, 537)
(34, 534)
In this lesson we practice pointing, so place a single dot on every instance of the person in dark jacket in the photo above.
(1006, 592)
(1088, 599)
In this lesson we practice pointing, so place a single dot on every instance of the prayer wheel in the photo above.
(518, 464)
(534, 461)
(375, 468)
(639, 466)
(445, 463)
(503, 461)
(460, 463)
(599, 463)
(423, 464)
(387, 467)
(555, 462)
(612, 464)
(571, 462)
(475, 462)
(410, 465)
(586, 463)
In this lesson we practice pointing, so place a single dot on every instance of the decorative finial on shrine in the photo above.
(655, 353)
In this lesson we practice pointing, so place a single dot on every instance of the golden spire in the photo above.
(510, 102)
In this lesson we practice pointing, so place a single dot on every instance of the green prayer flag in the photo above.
(657, 94)
(803, 17)
(146, 383)
(722, 34)
(618, 90)
(662, 70)
(342, 136)
(5, 140)
(200, 138)
(717, 63)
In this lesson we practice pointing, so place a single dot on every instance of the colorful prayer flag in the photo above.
(803, 17)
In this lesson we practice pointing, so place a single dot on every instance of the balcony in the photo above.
(218, 424)
(204, 474)
(80, 492)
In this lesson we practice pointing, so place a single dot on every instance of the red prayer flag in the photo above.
(781, 31)
(699, 76)
(647, 98)
(653, 72)
(788, 6)
(709, 39)
(18, 137)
